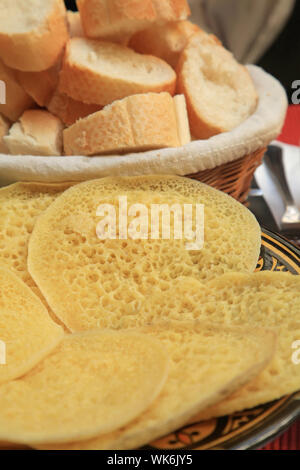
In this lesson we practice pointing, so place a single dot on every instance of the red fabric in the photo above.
(288, 441)
(290, 135)
(291, 130)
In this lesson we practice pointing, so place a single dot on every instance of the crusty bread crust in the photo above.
(4, 127)
(38, 49)
(164, 41)
(69, 110)
(219, 92)
(74, 23)
(37, 133)
(17, 100)
(171, 10)
(137, 123)
(118, 19)
(183, 125)
(82, 81)
(40, 85)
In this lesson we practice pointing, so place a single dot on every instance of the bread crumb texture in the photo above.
(220, 92)
(32, 33)
(119, 19)
(98, 72)
(137, 123)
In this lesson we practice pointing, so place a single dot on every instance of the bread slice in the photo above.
(4, 128)
(37, 133)
(17, 100)
(69, 110)
(74, 23)
(116, 20)
(183, 125)
(40, 85)
(219, 91)
(164, 41)
(32, 33)
(100, 72)
(137, 123)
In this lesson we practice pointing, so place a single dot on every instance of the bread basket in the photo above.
(226, 161)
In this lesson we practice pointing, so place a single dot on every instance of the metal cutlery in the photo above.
(290, 221)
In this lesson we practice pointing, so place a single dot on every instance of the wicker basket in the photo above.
(233, 178)
(226, 161)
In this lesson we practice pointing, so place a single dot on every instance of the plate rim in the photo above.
(278, 421)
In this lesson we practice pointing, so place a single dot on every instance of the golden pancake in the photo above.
(94, 382)
(103, 282)
(264, 300)
(27, 333)
(207, 363)
(20, 206)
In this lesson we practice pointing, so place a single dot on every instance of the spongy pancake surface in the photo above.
(266, 300)
(94, 382)
(20, 206)
(26, 331)
(207, 363)
(103, 282)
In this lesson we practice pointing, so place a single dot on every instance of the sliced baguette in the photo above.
(219, 91)
(17, 100)
(137, 123)
(74, 23)
(4, 128)
(116, 20)
(164, 41)
(37, 133)
(40, 85)
(69, 110)
(183, 125)
(96, 72)
(32, 33)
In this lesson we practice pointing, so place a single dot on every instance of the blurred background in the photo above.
(264, 32)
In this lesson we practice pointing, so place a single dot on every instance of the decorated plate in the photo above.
(253, 428)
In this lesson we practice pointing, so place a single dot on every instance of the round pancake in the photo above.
(94, 382)
(260, 300)
(27, 333)
(20, 206)
(104, 282)
(207, 364)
